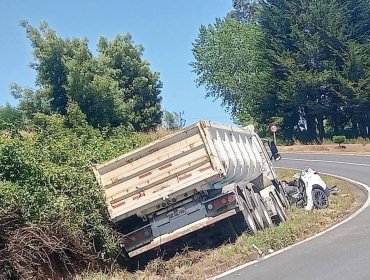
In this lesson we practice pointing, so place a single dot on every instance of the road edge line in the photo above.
(364, 206)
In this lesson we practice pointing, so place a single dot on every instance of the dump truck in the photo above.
(191, 179)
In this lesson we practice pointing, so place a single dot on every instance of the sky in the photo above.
(165, 28)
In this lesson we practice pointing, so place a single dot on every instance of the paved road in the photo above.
(340, 254)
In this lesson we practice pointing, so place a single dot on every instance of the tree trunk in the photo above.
(311, 128)
(320, 127)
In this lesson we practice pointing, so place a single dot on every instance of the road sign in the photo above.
(273, 128)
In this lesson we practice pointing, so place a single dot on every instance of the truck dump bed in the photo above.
(204, 155)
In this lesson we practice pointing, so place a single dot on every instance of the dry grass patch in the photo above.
(189, 264)
(331, 148)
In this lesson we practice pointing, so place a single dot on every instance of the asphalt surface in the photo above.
(342, 253)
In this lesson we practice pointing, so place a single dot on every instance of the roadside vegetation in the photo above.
(192, 264)
(85, 109)
(46, 178)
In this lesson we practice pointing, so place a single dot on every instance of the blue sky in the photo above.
(165, 28)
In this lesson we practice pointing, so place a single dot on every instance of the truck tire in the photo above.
(256, 211)
(280, 213)
(281, 205)
(248, 218)
(283, 197)
(263, 211)
(244, 208)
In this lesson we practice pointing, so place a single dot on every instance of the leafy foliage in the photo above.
(115, 88)
(10, 117)
(48, 143)
(227, 56)
(339, 139)
(46, 173)
(173, 121)
(293, 61)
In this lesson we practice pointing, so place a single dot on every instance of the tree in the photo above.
(173, 121)
(115, 88)
(244, 11)
(339, 139)
(315, 48)
(307, 44)
(231, 63)
(306, 63)
(10, 116)
(139, 86)
(50, 53)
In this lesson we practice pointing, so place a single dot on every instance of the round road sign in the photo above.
(274, 128)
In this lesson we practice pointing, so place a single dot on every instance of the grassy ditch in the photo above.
(201, 264)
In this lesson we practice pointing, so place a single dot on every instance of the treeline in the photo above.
(302, 65)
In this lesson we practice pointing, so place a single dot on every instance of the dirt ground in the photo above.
(346, 148)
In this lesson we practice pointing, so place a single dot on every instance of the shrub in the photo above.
(339, 139)
(47, 175)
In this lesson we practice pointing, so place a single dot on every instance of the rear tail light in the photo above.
(230, 198)
(221, 201)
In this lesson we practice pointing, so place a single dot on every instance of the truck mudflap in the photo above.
(158, 241)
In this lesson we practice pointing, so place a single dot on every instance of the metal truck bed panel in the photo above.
(205, 154)
(155, 173)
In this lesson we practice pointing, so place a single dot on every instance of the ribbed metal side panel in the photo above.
(239, 152)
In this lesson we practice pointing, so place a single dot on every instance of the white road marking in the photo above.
(367, 203)
(328, 161)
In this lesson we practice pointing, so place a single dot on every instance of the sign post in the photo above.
(273, 129)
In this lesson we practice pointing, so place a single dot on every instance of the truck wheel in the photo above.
(263, 210)
(256, 212)
(281, 216)
(320, 198)
(248, 218)
(281, 205)
(283, 197)
(244, 208)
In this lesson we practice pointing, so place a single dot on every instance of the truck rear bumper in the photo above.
(181, 232)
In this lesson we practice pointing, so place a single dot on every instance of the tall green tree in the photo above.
(115, 88)
(139, 86)
(231, 63)
(311, 51)
(50, 53)
(312, 65)
(358, 63)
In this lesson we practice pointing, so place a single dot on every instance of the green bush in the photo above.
(339, 139)
(46, 173)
